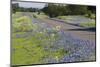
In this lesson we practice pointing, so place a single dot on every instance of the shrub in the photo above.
(89, 13)
(34, 16)
(93, 16)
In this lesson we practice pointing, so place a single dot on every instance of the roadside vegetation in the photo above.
(91, 23)
(85, 21)
(32, 41)
(41, 15)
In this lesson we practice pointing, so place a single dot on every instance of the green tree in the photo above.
(15, 7)
(78, 9)
(54, 10)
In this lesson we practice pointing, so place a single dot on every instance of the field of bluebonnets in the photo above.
(39, 43)
(36, 41)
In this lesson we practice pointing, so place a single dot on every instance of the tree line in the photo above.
(54, 10)
(17, 8)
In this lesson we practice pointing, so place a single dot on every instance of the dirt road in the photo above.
(68, 28)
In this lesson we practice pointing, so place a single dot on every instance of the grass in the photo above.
(41, 15)
(30, 50)
(33, 49)
(21, 23)
(88, 24)
(64, 17)
(22, 19)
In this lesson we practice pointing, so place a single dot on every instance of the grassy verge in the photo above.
(89, 23)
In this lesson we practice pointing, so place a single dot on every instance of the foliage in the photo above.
(65, 17)
(78, 9)
(41, 15)
(34, 15)
(54, 10)
(90, 15)
(35, 46)
(22, 23)
(17, 8)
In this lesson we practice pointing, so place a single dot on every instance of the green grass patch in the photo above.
(40, 16)
(64, 17)
(88, 24)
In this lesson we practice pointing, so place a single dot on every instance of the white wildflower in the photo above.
(58, 27)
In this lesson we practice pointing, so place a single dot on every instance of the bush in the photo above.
(90, 15)
(77, 9)
(93, 16)
(34, 16)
